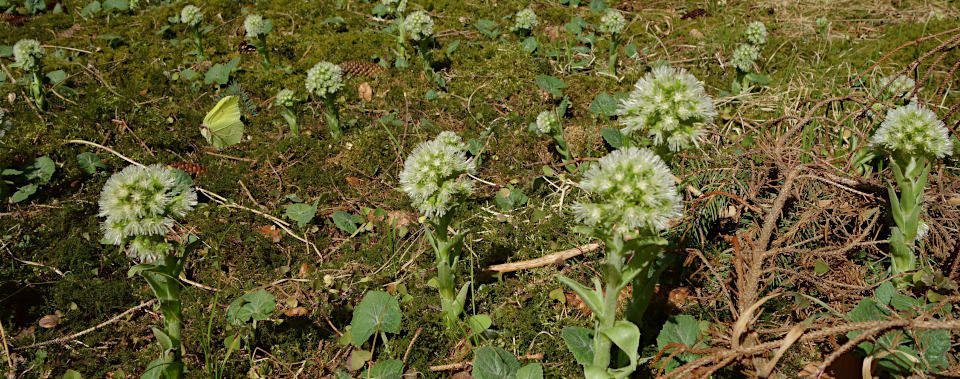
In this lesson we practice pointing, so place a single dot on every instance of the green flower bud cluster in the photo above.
(547, 122)
(746, 53)
(525, 19)
(896, 86)
(286, 98)
(255, 25)
(191, 15)
(756, 33)
(140, 204)
(419, 25)
(633, 188)
(324, 79)
(914, 131)
(434, 174)
(612, 22)
(670, 106)
(27, 54)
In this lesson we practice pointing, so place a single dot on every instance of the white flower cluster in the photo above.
(255, 25)
(434, 174)
(547, 122)
(898, 85)
(743, 57)
(914, 130)
(633, 188)
(324, 79)
(612, 22)
(756, 33)
(419, 25)
(525, 19)
(286, 98)
(191, 15)
(27, 54)
(670, 106)
(139, 204)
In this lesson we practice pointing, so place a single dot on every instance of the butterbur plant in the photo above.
(193, 16)
(419, 26)
(633, 198)
(257, 30)
(140, 205)
(612, 23)
(524, 22)
(745, 55)
(435, 177)
(323, 82)
(914, 137)
(669, 107)
(548, 123)
(28, 55)
(288, 104)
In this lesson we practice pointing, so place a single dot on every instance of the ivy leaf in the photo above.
(23, 193)
(491, 362)
(120, 5)
(598, 6)
(613, 137)
(301, 213)
(388, 369)
(682, 329)
(530, 44)
(479, 323)
(551, 84)
(604, 105)
(91, 9)
(377, 312)
(257, 306)
(220, 73)
(346, 222)
(487, 28)
(56, 77)
(89, 162)
(530, 371)
(71, 374)
(40, 170)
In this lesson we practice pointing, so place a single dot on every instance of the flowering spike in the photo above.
(433, 174)
(670, 106)
(914, 130)
(324, 79)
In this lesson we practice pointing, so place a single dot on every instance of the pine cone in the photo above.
(362, 68)
(190, 168)
(13, 19)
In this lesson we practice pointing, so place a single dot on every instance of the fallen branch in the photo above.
(465, 364)
(545, 260)
(86, 331)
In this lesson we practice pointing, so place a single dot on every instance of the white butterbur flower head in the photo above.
(756, 33)
(913, 130)
(286, 98)
(27, 54)
(612, 22)
(434, 174)
(896, 86)
(140, 203)
(419, 25)
(547, 122)
(632, 188)
(743, 57)
(255, 25)
(191, 15)
(525, 19)
(324, 79)
(670, 106)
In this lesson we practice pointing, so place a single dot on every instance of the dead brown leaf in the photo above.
(365, 91)
(49, 321)
(296, 312)
(270, 231)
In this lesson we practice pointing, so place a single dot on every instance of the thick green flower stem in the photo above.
(910, 174)
(447, 251)
(612, 65)
(401, 39)
(291, 117)
(36, 90)
(262, 49)
(197, 42)
(333, 117)
(605, 320)
(165, 285)
(563, 149)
